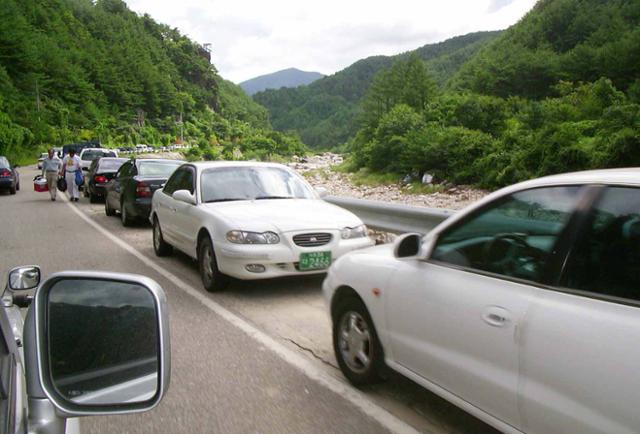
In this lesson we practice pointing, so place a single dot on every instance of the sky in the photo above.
(250, 37)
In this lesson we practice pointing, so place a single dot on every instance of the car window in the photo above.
(4, 163)
(162, 169)
(186, 180)
(606, 257)
(124, 170)
(174, 182)
(110, 165)
(514, 237)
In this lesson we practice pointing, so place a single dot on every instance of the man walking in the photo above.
(50, 169)
(71, 165)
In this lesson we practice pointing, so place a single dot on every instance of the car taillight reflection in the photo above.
(143, 189)
(4, 173)
(99, 179)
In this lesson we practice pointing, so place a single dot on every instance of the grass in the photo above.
(365, 177)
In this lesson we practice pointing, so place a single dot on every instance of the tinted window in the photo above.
(92, 155)
(111, 165)
(174, 182)
(160, 169)
(249, 183)
(606, 259)
(4, 163)
(514, 237)
(124, 170)
(186, 180)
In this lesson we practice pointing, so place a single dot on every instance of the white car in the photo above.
(41, 159)
(523, 309)
(87, 155)
(250, 221)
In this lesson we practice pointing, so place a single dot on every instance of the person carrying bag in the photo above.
(71, 169)
(50, 169)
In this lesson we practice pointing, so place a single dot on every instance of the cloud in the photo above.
(251, 37)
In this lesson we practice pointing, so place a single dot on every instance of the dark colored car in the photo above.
(131, 190)
(101, 171)
(9, 177)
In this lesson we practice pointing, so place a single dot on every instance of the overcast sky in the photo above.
(252, 37)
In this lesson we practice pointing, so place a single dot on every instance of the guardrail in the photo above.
(392, 217)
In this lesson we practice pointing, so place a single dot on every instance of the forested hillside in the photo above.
(558, 91)
(81, 69)
(326, 112)
(290, 77)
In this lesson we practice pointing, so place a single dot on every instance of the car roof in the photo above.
(622, 176)
(160, 160)
(201, 165)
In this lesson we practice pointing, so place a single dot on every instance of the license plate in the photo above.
(314, 261)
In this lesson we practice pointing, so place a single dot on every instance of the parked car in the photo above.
(87, 155)
(131, 190)
(9, 176)
(101, 171)
(61, 363)
(41, 159)
(250, 221)
(523, 309)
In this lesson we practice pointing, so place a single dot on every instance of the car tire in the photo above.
(160, 246)
(107, 208)
(124, 216)
(356, 344)
(12, 190)
(92, 198)
(212, 279)
(18, 186)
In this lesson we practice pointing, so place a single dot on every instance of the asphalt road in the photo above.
(255, 358)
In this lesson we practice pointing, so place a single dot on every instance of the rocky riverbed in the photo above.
(318, 171)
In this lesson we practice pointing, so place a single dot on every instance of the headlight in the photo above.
(355, 232)
(244, 237)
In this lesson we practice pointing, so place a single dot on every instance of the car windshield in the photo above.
(92, 155)
(162, 169)
(4, 163)
(111, 165)
(252, 183)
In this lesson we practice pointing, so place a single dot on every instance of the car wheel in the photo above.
(355, 343)
(107, 208)
(18, 186)
(160, 246)
(124, 216)
(212, 279)
(93, 198)
(12, 190)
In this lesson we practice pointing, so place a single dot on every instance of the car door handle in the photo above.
(495, 316)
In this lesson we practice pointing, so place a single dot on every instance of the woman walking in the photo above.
(71, 165)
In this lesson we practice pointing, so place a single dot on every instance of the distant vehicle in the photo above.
(142, 148)
(101, 171)
(87, 155)
(522, 309)
(250, 221)
(73, 364)
(130, 191)
(9, 176)
(79, 147)
(41, 159)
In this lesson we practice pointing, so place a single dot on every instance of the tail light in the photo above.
(4, 173)
(99, 179)
(143, 189)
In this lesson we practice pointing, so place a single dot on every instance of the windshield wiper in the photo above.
(225, 199)
(274, 197)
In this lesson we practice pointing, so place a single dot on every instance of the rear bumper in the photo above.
(140, 207)
(7, 182)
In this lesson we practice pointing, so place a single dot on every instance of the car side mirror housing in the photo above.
(184, 196)
(407, 245)
(21, 278)
(102, 342)
(322, 192)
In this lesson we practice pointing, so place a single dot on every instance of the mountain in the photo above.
(325, 112)
(291, 77)
(74, 70)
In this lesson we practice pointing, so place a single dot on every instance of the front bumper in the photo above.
(278, 260)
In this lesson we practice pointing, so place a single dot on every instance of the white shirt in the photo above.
(71, 164)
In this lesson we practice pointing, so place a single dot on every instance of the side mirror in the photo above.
(102, 342)
(27, 277)
(322, 192)
(407, 245)
(184, 196)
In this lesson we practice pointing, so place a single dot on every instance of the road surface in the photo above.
(256, 358)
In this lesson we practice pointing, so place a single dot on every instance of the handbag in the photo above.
(79, 178)
(62, 184)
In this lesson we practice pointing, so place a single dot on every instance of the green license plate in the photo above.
(314, 261)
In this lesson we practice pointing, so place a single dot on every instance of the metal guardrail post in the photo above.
(392, 217)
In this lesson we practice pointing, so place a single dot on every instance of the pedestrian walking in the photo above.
(50, 169)
(71, 165)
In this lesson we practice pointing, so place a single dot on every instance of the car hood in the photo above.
(282, 215)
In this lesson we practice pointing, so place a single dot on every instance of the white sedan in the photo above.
(250, 221)
(523, 309)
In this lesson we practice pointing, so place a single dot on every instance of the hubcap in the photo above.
(206, 263)
(354, 341)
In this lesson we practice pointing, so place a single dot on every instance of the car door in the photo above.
(185, 222)
(115, 189)
(457, 319)
(581, 356)
(166, 207)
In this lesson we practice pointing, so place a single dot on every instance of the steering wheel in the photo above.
(500, 252)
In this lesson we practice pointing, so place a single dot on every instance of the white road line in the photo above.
(355, 397)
